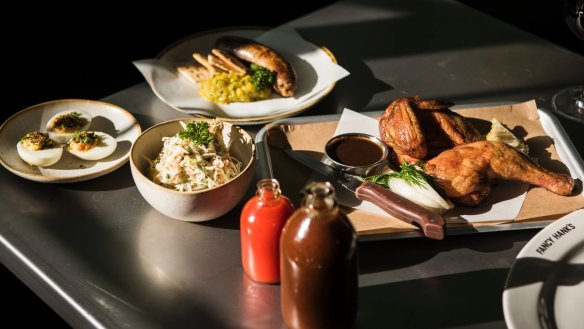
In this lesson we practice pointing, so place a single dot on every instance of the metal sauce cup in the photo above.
(356, 153)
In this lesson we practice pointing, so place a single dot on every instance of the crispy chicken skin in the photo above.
(466, 172)
(417, 129)
(449, 129)
(400, 129)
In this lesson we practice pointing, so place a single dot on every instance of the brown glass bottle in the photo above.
(319, 267)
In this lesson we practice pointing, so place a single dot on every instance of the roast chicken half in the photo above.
(466, 172)
(455, 154)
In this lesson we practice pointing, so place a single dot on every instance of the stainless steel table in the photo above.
(100, 256)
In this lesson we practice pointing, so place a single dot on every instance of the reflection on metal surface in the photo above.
(164, 248)
(259, 305)
(195, 267)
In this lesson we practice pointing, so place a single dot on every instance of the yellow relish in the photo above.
(224, 88)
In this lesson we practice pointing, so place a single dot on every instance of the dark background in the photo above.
(86, 52)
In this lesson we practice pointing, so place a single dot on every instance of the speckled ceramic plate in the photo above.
(310, 62)
(545, 287)
(106, 117)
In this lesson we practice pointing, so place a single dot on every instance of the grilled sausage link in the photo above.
(264, 56)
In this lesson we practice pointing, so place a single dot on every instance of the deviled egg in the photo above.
(37, 149)
(91, 145)
(63, 125)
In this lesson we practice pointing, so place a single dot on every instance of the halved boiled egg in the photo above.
(63, 125)
(37, 149)
(91, 145)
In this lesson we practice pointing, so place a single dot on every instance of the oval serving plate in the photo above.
(306, 58)
(545, 287)
(106, 117)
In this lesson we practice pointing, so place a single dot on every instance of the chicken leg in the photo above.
(466, 172)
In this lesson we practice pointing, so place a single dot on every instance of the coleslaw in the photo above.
(194, 159)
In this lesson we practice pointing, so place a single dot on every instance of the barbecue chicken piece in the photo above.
(417, 129)
(466, 172)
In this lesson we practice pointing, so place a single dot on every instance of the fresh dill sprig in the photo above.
(411, 173)
(198, 132)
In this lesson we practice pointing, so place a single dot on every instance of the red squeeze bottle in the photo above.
(261, 222)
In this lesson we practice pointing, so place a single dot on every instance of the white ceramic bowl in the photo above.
(192, 206)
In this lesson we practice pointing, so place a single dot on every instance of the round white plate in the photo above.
(545, 287)
(310, 62)
(108, 118)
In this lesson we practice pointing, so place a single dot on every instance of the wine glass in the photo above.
(569, 102)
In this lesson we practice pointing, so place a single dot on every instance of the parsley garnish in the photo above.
(198, 132)
(261, 77)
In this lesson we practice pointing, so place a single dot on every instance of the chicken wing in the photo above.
(400, 129)
(417, 129)
(466, 172)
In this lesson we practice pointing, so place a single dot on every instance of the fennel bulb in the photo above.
(414, 184)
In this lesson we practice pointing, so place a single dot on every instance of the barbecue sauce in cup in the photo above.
(319, 267)
(356, 153)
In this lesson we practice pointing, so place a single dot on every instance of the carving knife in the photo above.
(431, 224)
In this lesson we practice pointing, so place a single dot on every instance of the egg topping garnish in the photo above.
(91, 145)
(63, 125)
(37, 149)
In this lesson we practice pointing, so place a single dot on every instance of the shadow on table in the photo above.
(420, 33)
(421, 304)
(421, 296)
(378, 256)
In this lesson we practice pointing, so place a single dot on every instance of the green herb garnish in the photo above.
(37, 140)
(84, 137)
(261, 77)
(410, 173)
(198, 132)
(68, 122)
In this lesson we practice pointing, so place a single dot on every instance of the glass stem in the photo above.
(580, 101)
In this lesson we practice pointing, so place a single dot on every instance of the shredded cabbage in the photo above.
(184, 165)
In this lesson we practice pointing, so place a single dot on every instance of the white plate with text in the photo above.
(545, 287)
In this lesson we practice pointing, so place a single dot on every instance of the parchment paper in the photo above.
(503, 203)
(522, 119)
(315, 72)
